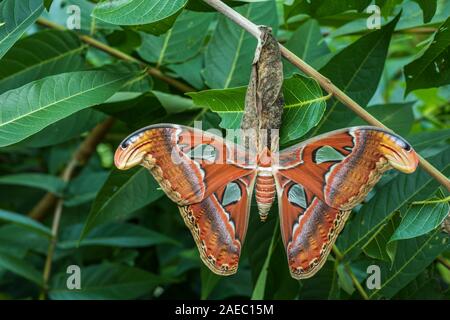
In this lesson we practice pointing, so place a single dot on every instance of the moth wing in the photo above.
(209, 178)
(319, 181)
(219, 224)
(309, 227)
(342, 166)
(189, 164)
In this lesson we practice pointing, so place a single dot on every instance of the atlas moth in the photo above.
(316, 183)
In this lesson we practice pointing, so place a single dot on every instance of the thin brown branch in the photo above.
(443, 261)
(417, 30)
(83, 153)
(323, 81)
(80, 157)
(122, 56)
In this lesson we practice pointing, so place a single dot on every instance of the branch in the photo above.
(323, 81)
(80, 157)
(121, 55)
(443, 261)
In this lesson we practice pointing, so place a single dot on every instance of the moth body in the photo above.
(265, 193)
(265, 190)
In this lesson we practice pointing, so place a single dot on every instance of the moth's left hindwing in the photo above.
(210, 180)
(219, 224)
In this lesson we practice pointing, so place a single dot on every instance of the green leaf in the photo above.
(18, 241)
(432, 69)
(260, 286)
(48, 4)
(378, 248)
(136, 112)
(228, 103)
(25, 222)
(209, 282)
(356, 70)
(34, 106)
(229, 55)
(307, 43)
(426, 286)
(59, 52)
(304, 106)
(322, 286)
(84, 187)
(397, 116)
(188, 71)
(15, 18)
(279, 283)
(413, 256)
(382, 206)
(322, 8)
(201, 6)
(182, 42)
(154, 16)
(107, 281)
(428, 9)
(344, 279)
(148, 108)
(20, 267)
(122, 193)
(425, 139)
(62, 12)
(35, 180)
(421, 219)
(173, 103)
(65, 129)
(122, 235)
(412, 18)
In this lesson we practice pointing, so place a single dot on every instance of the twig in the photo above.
(443, 261)
(323, 81)
(121, 55)
(339, 257)
(81, 156)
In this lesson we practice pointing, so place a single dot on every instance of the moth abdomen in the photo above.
(265, 193)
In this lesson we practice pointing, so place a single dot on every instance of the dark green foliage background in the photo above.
(126, 236)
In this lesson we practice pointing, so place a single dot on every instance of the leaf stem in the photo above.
(323, 81)
(339, 256)
(121, 55)
(447, 199)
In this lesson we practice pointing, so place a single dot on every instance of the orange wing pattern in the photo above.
(318, 182)
(219, 224)
(321, 180)
(210, 180)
